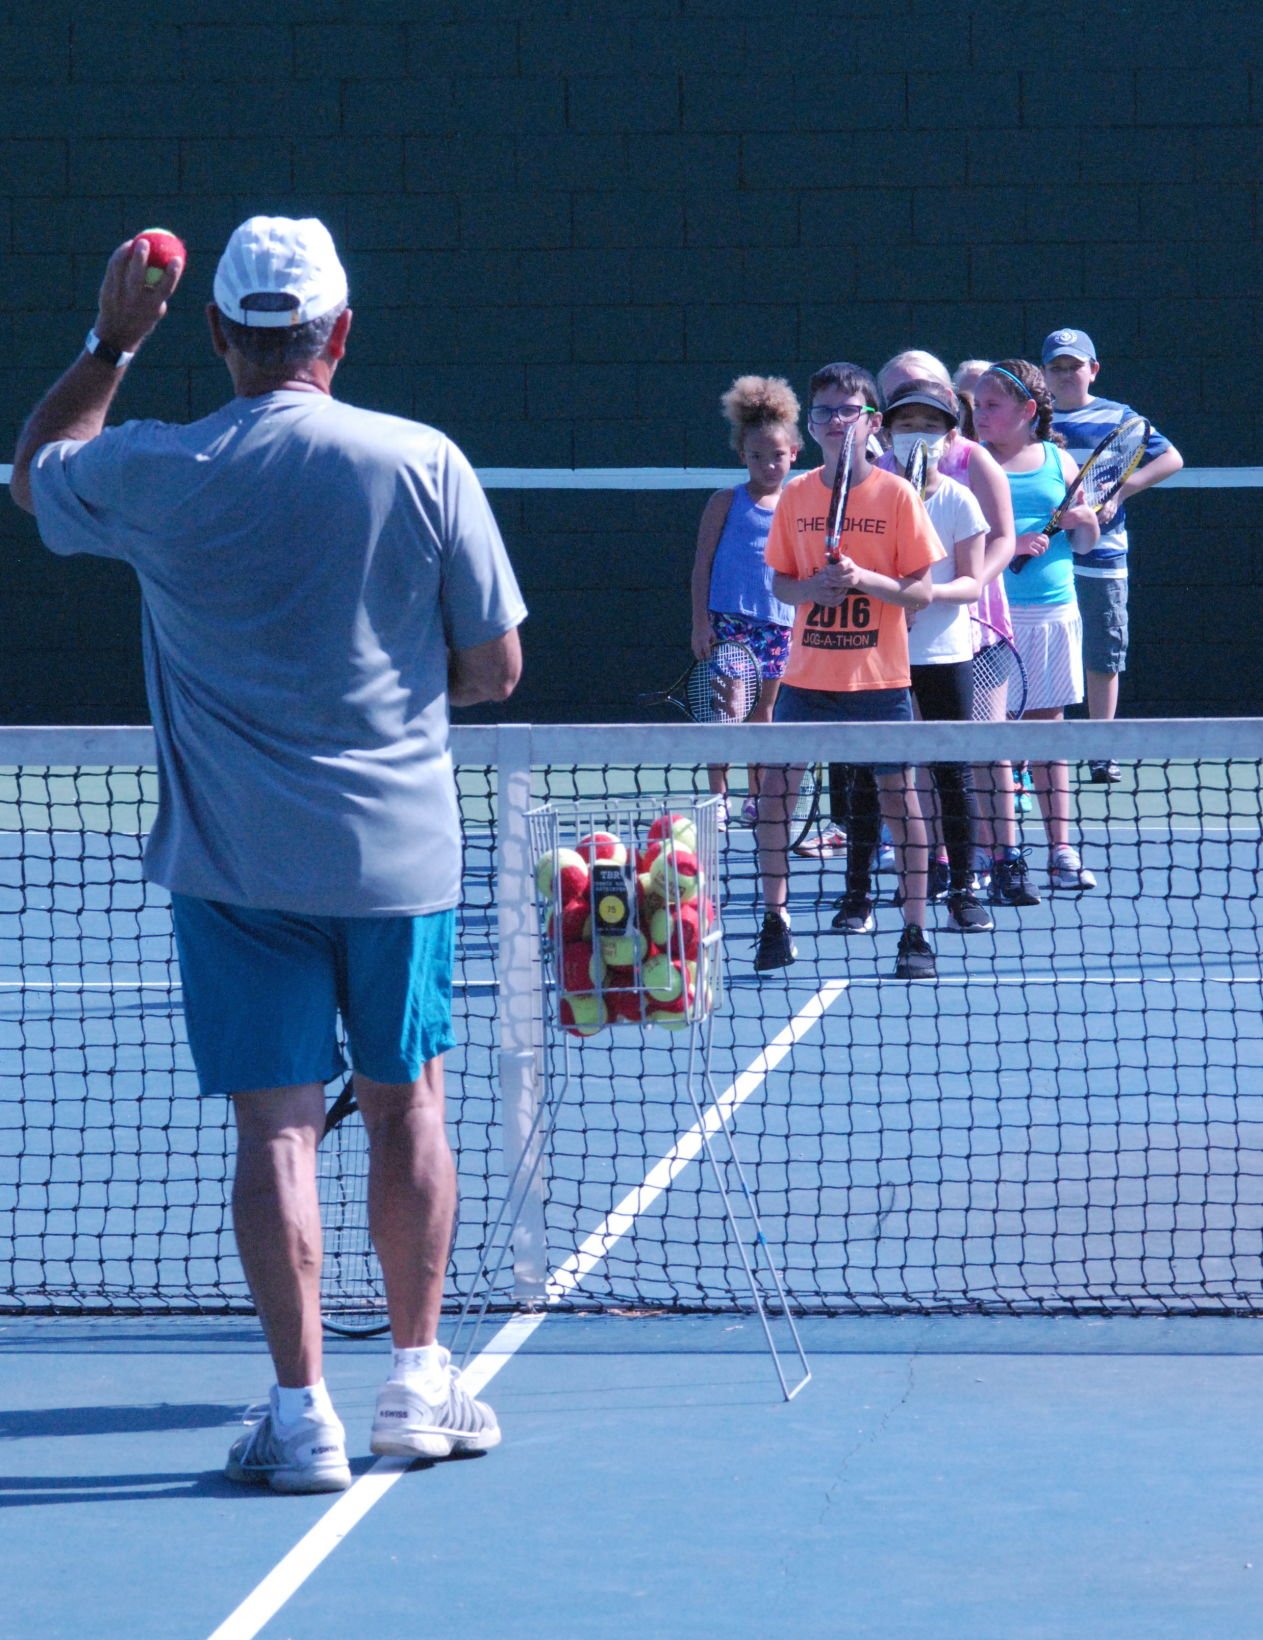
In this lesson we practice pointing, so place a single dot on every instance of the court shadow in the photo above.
(126, 1420)
(30, 1491)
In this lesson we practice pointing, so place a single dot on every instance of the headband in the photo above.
(999, 370)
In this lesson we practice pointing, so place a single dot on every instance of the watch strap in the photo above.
(112, 356)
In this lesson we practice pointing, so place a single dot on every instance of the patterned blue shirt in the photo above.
(1083, 430)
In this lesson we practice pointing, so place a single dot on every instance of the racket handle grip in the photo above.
(1019, 563)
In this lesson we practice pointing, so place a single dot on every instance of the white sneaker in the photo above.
(407, 1426)
(1066, 870)
(309, 1456)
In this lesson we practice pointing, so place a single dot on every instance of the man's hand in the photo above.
(128, 308)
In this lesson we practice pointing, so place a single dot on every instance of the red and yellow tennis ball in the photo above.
(603, 846)
(625, 1006)
(582, 968)
(575, 922)
(561, 874)
(677, 929)
(675, 874)
(665, 980)
(583, 1013)
(625, 949)
(164, 247)
(673, 828)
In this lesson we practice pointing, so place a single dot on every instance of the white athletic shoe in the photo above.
(310, 1456)
(1067, 871)
(407, 1426)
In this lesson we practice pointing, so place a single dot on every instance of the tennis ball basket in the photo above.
(629, 913)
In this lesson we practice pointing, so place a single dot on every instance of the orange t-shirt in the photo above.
(861, 643)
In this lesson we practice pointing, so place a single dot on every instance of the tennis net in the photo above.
(1068, 1119)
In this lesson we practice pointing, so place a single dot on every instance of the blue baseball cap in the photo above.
(1077, 343)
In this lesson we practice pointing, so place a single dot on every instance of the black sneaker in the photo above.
(1009, 882)
(855, 915)
(940, 881)
(776, 945)
(1104, 771)
(915, 960)
(967, 915)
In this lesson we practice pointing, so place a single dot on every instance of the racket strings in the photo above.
(725, 686)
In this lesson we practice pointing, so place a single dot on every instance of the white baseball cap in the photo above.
(277, 271)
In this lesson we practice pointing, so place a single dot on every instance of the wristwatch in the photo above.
(107, 354)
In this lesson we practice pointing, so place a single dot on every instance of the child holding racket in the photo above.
(1013, 415)
(849, 657)
(1001, 866)
(1083, 420)
(941, 651)
(733, 600)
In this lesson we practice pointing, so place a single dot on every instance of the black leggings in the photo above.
(944, 694)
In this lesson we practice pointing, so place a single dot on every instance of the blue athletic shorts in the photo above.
(795, 705)
(263, 990)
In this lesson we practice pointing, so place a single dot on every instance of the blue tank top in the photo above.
(1048, 579)
(740, 580)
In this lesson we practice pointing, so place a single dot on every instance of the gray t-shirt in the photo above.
(306, 567)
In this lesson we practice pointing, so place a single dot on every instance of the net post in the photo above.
(517, 964)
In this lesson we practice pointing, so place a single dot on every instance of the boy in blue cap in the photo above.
(1083, 420)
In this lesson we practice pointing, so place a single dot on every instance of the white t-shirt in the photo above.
(306, 567)
(942, 632)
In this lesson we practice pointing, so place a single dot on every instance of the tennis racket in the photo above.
(806, 810)
(997, 667)
(1101, 476)
(722, 688)
(918, 469)
(836, 516)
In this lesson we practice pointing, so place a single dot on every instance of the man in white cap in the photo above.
(319, 583)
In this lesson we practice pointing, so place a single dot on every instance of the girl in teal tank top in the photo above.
(1013, 418)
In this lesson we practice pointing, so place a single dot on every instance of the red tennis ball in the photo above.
(581, 967)
(673, 828)
(625, 1007)
(601, 845)
(574, 921)
(164, 247)
(677, 930)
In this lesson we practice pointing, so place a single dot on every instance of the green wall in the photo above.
(568, 227)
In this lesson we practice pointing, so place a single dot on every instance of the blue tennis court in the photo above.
(1019, 1212)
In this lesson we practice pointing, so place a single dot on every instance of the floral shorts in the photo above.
(768, 642)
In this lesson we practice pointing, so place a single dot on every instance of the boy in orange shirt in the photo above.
(849, 654)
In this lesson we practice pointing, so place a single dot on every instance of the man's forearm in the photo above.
(74, 407)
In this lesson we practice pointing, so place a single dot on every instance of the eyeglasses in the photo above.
(820, 415)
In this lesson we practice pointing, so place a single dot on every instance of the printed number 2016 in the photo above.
(851, 614)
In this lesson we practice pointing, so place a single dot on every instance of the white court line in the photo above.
(311, 1550)
(989, 981)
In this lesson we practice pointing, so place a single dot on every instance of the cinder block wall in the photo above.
(568, 227)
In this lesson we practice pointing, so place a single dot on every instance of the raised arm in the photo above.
(76, 405)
